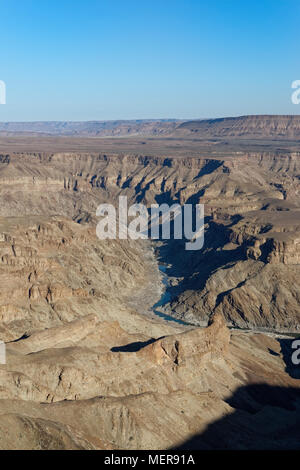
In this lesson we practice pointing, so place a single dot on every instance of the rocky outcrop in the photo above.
(180, 350)
(94, 396)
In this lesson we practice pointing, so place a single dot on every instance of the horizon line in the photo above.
(148, 119)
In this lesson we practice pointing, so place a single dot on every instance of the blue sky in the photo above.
(125, 59)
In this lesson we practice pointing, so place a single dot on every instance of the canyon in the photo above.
(89, 363)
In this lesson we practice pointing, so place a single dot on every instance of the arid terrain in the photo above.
(89, 363)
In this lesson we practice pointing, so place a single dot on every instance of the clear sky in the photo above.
(127, 59)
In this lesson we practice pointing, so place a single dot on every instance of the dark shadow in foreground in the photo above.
(263, 417)
(133, 347)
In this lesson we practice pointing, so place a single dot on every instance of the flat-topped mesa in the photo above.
(198, 344)
(117, 128)
(256, 126)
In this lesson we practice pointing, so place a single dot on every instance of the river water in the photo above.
(165, 298)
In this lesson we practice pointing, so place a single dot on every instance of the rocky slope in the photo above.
(84, 369)
(249, 267)
(53, 270)
(81, 393)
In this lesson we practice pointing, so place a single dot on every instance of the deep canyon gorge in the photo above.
(90, 365)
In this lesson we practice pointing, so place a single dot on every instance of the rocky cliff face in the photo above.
(244, 127)
(92, 385)
(52, 270)
(84, 369)
(252, 213)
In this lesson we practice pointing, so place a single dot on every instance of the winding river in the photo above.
(165, 298)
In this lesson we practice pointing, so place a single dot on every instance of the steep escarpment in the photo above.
(256, 126)
(252, 127)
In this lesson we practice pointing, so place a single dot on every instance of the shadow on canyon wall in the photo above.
(195, 267)
(264, 417)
